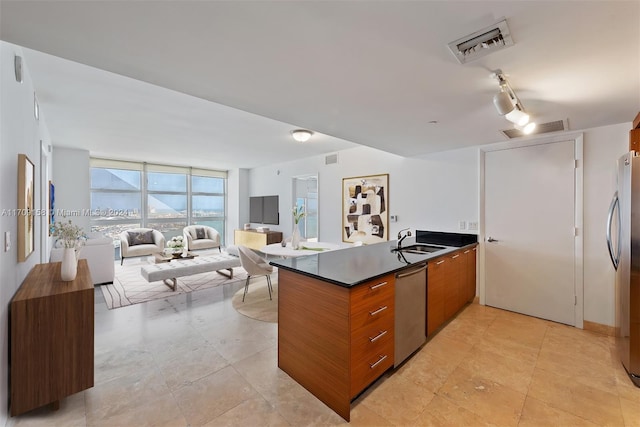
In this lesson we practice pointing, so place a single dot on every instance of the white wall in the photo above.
(237, 202)
(20, 133)
(72, 181)
(437, 191)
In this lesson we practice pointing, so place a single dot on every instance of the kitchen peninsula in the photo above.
(336, 313)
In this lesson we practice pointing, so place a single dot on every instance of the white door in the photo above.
(529, 230)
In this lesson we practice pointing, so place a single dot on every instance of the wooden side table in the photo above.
(51, 337)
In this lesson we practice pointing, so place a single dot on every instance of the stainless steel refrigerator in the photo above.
(623, 240)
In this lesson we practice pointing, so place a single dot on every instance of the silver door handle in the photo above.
(614, 257)
(491, 239)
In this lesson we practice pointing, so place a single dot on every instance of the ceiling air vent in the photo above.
(482, 42)
(331, 159)
(556, 126)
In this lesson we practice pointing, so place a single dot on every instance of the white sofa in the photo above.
(99, 253)
(130, 249)
(210, 240)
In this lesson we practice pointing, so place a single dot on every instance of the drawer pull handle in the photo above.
(455, 256)
(377, 337)
(381, 358)
(439, 262)
(466, 252)
(380, 310)
(377, 286)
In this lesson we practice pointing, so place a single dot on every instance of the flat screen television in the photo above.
(264, 210)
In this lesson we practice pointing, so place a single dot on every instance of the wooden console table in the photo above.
(256, 240)
(51, 337)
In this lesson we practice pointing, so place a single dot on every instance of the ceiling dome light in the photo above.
(526, 129)
(301, 135)
(503, 103)
(517, 117)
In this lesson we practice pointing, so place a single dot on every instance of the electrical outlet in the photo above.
(473, 225)
(462, 225)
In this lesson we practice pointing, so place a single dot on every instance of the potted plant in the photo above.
(72, 238)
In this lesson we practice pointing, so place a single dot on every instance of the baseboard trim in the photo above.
(599, 328)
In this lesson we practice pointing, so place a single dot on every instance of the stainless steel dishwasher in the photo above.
(411, 309)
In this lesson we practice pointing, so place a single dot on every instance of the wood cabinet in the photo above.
(634, 140)
(451, 283)
(51, 337)
(333, 340)
(256, 240)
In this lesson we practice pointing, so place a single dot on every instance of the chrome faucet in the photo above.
(401, 237)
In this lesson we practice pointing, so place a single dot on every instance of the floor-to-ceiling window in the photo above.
(127, 195)
(305, 194)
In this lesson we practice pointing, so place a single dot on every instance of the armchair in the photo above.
(140, 242)
(201, 237)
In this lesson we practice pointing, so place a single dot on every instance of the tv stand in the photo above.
(256, 240)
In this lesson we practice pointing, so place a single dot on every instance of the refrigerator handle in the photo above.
(615, 260)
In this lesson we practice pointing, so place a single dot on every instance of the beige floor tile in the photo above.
(626, 389)
(509, 348)
(211, 396)
(630, 412)
(524, 330)
(192, 365)
(426, 370)
(363, 416)
(160, 412)
(565, 393)
(496, 367)
(122, 394)
(487, 399)
(251, 412)
(537, 413)
(120, 362)
(446, 348)
(397, 399)
(480, 314)
(441, 412)
(583, 344)
(465, 330)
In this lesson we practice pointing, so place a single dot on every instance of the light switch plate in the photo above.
(473, 225)
(393, 218)
(7, 241)
(462, 225)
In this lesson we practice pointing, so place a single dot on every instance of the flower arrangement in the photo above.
(298, 213)
(71, 236)
(176, 243)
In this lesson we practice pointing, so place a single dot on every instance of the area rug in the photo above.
(129, 287)
(257, 305)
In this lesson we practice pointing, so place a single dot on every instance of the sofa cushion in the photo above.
(201, 233)
(140, 237)
(192, 232)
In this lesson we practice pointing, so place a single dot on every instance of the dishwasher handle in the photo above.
(411, 273)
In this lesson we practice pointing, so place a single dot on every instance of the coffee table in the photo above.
(160, 257)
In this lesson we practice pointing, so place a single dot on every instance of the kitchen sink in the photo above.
(421, 249)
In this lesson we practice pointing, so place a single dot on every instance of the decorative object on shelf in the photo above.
(176, 244)
(52, 201)
(298, 214)
(365, 212)
(71, 237)
(26, 205)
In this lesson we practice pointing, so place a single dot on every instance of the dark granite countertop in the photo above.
(354, 265)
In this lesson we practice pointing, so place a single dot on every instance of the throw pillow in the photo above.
(140, 237)
(201, 233)
(192, 233)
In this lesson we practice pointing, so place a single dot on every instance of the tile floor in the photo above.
(192, 360)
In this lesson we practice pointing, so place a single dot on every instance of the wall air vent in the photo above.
(482, 42)
(331, 159)
(556, 126)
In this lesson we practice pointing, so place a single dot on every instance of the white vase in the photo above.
(69, 267)
(295, 237)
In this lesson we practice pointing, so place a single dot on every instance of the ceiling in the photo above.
(222, 83)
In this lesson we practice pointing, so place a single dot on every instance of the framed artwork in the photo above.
(365, 209)
(26, 205)
(52, 207)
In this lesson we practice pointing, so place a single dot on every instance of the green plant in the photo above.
(298, 213)
(71, 236)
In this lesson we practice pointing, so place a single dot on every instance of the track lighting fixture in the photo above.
(301, 135)
(508, 105)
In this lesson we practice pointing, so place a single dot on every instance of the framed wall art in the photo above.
(26, 205)
(365, 209)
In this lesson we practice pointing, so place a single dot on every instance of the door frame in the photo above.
(578, 139)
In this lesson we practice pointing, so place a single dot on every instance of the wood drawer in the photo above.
(383, 309)
(370, 339)
(372, 293)
(362, 371)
